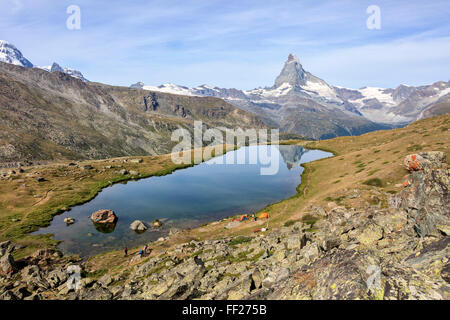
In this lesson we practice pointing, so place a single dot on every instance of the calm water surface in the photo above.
(185, 198)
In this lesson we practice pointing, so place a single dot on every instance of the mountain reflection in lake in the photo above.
(185, 198)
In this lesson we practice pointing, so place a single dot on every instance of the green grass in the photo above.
(375, 182)
(415, 147)
(197, 253)
(337, 199)
(97, 274)
(309, 219)
(239, 240)
(289, 223)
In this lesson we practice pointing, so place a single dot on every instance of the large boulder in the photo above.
(69, 220)
(104, 220)
(156, 223)
(436, 159)
(138, 226)
(424, 160)
(104, 216)
(5, 246)
(426, 198)
(415, 162)
(34, 278)
(7, 264)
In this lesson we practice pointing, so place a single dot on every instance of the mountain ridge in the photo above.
(47, 116)
(390, 107)
(11, 54)
(300, 103)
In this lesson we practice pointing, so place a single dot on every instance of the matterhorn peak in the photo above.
(292, 58)
(292, 73)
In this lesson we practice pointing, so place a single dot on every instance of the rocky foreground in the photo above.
(395, 251)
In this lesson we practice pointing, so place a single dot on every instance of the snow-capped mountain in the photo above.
(71, 72)
(403, 104)
(298, 102)
(296, 88)
(10, 54)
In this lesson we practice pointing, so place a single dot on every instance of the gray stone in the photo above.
(138, 225)
(426, 200)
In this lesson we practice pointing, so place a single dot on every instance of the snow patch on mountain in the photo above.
(443, 92)
(10, 54)
(320, 89)
(282, 90)
(171, 88)
(380, 94)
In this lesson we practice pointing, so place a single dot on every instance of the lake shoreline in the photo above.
(216, 224)
(102, 243)
(21, 230)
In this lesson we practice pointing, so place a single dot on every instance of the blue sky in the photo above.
(241, 44)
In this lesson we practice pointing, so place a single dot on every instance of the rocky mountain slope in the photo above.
(302, 103)
(403, 104)
(393, 253)
(53, 116)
